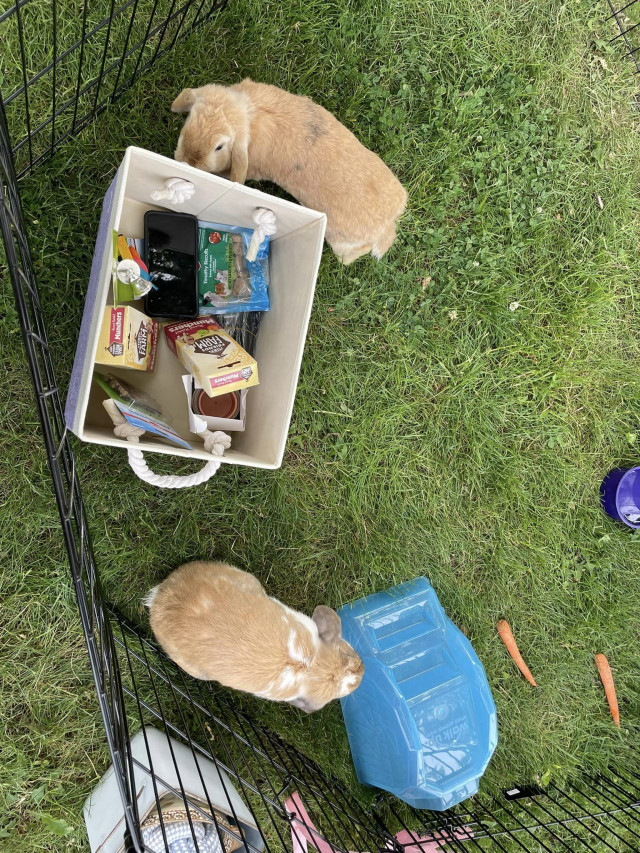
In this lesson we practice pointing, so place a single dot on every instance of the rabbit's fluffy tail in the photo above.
(150, 597)
(384, 241)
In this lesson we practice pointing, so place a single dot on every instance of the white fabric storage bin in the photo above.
(294, 259)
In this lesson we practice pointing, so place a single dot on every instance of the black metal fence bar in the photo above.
(618, 15)
(63, 472)
(160, 34)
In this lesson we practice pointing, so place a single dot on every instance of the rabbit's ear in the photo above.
(240, 157)
(185, 100)
(329, 624)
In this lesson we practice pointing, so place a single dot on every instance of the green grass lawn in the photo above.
(436, 431)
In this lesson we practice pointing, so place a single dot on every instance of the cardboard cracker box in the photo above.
(218, 363)
(128, 338)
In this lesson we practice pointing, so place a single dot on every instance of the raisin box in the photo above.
(128, 338)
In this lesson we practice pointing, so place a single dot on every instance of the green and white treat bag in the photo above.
(215, 267)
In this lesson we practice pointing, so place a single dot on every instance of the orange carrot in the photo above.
(606, 676)
(507, 638)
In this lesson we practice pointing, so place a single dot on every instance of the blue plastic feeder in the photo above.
(620, 495)
(422, 724)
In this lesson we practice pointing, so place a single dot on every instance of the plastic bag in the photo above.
(227, 282)
(243, 328)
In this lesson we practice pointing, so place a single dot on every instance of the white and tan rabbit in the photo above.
(218, 623)
(255, 131)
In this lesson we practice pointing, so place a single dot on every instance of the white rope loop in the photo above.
(175, 191)
(265, 222)
(214, 442)
(170, 481)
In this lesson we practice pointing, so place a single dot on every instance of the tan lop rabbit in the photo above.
(218, 623)
(259, 132)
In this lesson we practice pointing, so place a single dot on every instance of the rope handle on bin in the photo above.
(175, 191)
(265, 222)
(214, 442)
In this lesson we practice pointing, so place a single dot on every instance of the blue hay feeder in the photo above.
(422, 724)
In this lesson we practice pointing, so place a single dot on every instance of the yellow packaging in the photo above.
(212, 356)
(128, 338)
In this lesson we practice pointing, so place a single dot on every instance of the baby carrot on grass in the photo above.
(606, 676)
(506, 635)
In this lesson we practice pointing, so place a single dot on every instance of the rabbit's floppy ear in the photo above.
(329, 624)
(240, 157)
(185, 100)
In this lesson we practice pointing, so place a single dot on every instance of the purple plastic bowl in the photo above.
(620, 495)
